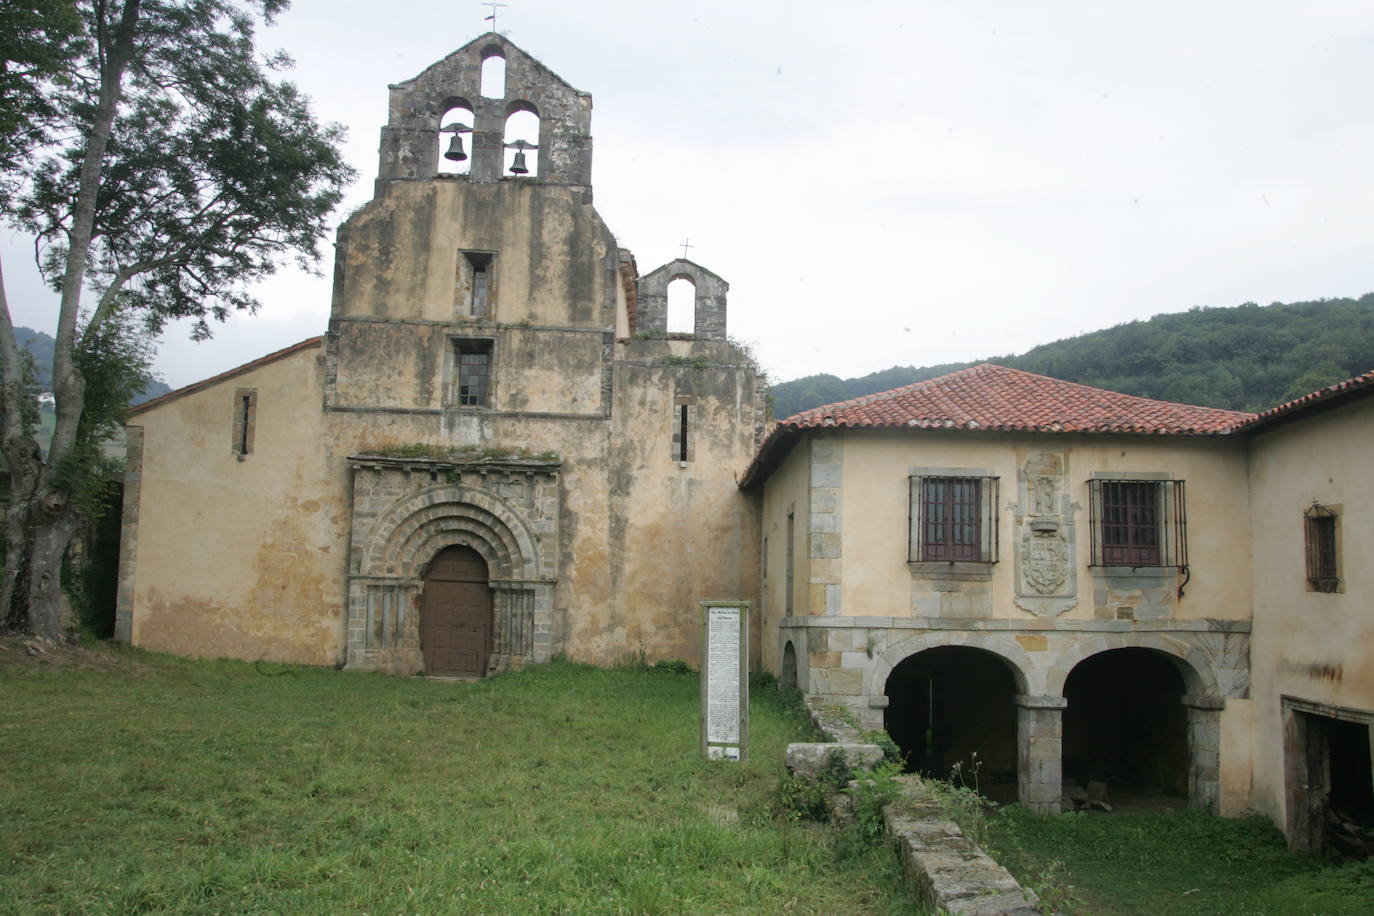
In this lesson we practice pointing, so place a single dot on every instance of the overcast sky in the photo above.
(914, 182)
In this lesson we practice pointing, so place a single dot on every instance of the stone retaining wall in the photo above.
(948, 870)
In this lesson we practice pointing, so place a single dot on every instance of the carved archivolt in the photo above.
(413, 530)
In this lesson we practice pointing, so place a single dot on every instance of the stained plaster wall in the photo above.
(239, 558)
(877, 510)
(788, 489)
(1309, 645)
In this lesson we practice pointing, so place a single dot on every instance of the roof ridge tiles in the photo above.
(990, 396)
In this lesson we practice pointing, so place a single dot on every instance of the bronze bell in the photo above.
(518, 167)
(455, 149)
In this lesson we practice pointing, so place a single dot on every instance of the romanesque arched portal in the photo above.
(406, 512)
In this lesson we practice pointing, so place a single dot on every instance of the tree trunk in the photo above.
(42, 520)
(50, 534)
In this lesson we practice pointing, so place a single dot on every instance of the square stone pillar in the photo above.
(1204, 751)
(1040, 752)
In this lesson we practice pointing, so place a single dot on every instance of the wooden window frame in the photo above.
(1138, 522)
(953, 518)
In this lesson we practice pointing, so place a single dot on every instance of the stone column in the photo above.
(1204, 751)
(1040, 752)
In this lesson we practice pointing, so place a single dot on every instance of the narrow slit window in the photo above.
(682, 432)
(682, 429)
(791, 563)
(245, 419)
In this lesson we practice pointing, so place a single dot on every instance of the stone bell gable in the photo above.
(410, 143)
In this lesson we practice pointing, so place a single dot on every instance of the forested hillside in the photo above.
(40, 346)
(1245, 358)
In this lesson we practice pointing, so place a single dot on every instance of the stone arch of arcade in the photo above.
(1210, 666)
(952, 705)
(403, 520)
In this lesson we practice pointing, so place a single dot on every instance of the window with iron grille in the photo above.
(1319, 526)
(474, 372)
(1138, 522)
(953, 519)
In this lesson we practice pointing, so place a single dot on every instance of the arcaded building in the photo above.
(1061, 586)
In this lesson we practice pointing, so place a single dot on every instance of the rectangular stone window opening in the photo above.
(245, 421)
(473, 358)
(953, 519)
(473, 292)
(1137, 522)
(1320, 530)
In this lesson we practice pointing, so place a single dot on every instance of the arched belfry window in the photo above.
(521, 137)
(455, 138)
(493, 74)
(682, 306)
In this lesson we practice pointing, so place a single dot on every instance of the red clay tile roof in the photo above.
(993, 397)
(997, 399)
(1309, 402)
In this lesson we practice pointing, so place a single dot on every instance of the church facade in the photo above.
(496, 452)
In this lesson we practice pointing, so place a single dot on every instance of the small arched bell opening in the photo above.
(493, 84)
(1126, 730)
(787, 677)
(521, 138)
(952, 711)
(682, 306)
(455, 139)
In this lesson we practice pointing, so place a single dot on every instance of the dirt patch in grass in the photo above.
(27, 654)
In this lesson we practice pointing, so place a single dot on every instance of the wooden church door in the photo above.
(455, 614)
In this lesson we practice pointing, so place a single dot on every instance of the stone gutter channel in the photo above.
(949, 871)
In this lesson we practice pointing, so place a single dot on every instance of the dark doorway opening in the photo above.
(1126, 725)
(456, 614)
(952, 711)
(788, 677)
(1330, 785)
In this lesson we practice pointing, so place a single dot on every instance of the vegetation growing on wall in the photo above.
(466, 453)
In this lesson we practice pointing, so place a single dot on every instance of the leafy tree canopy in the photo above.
(162, 166)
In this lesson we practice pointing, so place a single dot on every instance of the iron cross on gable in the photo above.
(686, 243)
(492, 17)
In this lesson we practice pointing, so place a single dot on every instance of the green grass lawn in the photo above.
(1179, 863)
(153, 784)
